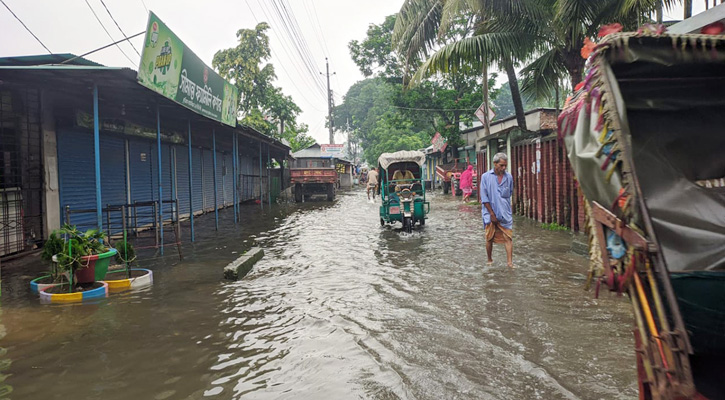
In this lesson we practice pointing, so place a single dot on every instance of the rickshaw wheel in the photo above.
(382, 222)
(422, 222)
(408, 225)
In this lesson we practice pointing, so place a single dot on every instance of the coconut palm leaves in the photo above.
(544, 35)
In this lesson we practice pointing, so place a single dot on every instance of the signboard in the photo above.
(331, 150)
(169, 68)
(340, 168)
(480, 113)
(439, 142)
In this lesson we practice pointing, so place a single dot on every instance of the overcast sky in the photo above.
(327, 26)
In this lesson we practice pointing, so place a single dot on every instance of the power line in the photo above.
(101, 48)
(144, 6)
(299, 44)
(311, 73)
(26, 27)
(296, 27)
(324, 41)
(119, 27)
(302, 92)
(108, 33)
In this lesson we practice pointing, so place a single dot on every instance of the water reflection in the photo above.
(338, 308)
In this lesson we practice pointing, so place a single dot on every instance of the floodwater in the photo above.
(338, 308)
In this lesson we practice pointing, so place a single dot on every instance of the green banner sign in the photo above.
(169, 68)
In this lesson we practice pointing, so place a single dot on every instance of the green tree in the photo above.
(264, 107)
(246, 66)
(435, 105)
(374, 55)
(544, 35)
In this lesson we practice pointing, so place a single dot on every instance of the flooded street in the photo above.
(338, 308)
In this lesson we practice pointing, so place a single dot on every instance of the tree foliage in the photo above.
(383, 115)
(263, 106)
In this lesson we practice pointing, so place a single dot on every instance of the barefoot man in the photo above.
(496, 188)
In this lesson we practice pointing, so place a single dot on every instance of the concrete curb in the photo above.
(240, 267)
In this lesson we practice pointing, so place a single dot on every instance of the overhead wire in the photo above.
(293, 60)
(282, 64)
(26, 27)
(299, 47)
(144, 6)
(296, 27)
(109, 34)
(119, 27)
(319, 25)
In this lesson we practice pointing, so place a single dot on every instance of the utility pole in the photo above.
(329, 101)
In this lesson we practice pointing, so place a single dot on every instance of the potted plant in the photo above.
(124, 277)
(79, 260)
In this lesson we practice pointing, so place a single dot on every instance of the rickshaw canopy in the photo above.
(387, 159)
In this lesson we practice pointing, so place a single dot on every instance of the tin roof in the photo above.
(47, 59)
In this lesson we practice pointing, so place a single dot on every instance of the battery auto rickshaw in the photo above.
(402, 190)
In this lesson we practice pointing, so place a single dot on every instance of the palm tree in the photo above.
(421, 23)
(546, 35)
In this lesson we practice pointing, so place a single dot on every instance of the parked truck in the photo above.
(313, 181)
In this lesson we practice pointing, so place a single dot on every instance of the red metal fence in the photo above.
(545, 189)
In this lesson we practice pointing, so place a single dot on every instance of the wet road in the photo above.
(339, 308)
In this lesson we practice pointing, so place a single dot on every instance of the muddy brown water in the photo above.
(339, 308)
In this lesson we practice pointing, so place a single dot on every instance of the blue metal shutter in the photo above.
(166, 167)
(182, 178)
(220, 178)
(196, 165)
(141, 177)
(208, 180)
(228, 178)
(113, 178)
(76, 176)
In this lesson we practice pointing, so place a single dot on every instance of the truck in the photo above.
(450, 173)
(313, 181)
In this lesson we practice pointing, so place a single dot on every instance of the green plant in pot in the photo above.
(84, 256)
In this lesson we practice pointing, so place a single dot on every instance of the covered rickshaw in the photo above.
(645, 135)
(401, 189)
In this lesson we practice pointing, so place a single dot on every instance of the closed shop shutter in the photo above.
(113, 178)
(76, 176)
(141, 170)
(220, 179)
(246, 165)
(228, 179)
(182, 178)
(208, 180)
(196, 166)
(167, 164)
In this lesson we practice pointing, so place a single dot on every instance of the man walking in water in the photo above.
(372, 182)
(496, 188)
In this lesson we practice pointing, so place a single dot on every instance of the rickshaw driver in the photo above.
(403, 175)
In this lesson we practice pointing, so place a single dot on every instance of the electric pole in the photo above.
(329, 101)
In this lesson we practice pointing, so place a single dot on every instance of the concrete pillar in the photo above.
(51, 193)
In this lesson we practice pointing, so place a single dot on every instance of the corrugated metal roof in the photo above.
(313, 151)
(45, 59)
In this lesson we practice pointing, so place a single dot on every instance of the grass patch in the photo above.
(554, 227)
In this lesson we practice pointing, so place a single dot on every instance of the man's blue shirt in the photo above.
(499, 196)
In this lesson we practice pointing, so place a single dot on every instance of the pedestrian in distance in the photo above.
(465, 182)
(496, 187)
(372, 182)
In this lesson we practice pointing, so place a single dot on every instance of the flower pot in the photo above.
(98, 292)
(40, 283)
(94, 267)
(118, 280)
